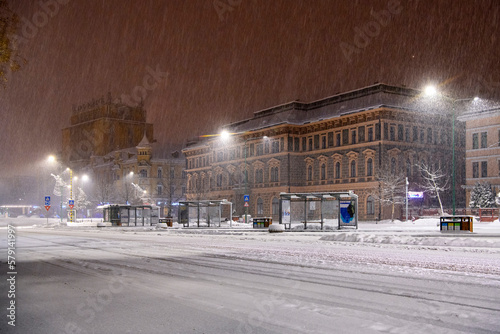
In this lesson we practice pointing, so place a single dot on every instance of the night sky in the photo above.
(226, 59)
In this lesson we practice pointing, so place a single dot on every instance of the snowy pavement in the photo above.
(381, 278)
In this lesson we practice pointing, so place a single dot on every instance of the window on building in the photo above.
(370, 207)
(220, 156)
(159, 190)
(260, 149)
(484, 168)
(304, 144)
(323, 142)
(316, 142)
(338, 139)
(143, 173)
(353, 168)
(392, 133)
(370, 133)
(386, 131)
(275, 146)
(393, 165)
(330, 139)
(415, 133)
(353, 136)
(276, 206)
(429, 135)
(275, 174)
(337, 170)
(361, 134)
(345, 137)
(296, 144)
(369, 167)
(475, 170)
(172, 172)
(484, 139)
(219, 180)
(400, 132)
(422, 136)
(159, 173)
(475, 141)
(407, 134)
(309, 173)
(310, 147)
(259, 176)
(260, 206)
(323, 171)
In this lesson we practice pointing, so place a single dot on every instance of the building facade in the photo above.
(101, 127)
(135, 176)
(341, 143)
(482, 146)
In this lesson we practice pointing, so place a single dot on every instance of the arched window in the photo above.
(309, 173)
(276, 207)
(353, 168)
(259, 176)
(369, 167)
(323, 171)
(260, 206)
(370, 208)
(219, 180)
(337, 170)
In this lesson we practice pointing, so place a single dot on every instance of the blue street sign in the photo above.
(71, 202)
(246, 198)
(47, 200)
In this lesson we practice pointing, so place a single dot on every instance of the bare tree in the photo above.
(391, 189)
(104, 192)
(435, 182)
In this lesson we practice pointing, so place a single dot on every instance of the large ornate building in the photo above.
(100, 127)
(344, 142)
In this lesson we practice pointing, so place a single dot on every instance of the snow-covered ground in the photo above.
(390, 277)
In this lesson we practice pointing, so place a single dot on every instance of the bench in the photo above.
(312, 222)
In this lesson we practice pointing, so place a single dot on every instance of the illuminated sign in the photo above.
(415, 194)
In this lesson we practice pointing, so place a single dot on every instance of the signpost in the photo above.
(71, 213)
(47, 206)
(246, 199)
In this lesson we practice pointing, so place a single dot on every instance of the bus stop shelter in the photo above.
(203, 212)
(130, 215)
(334, 208)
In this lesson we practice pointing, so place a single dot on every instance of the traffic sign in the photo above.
(246, 204)
(71, 203)
(47, 200)
(47, 207)
(246, 198)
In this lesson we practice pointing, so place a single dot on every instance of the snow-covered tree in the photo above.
(81, 201)
(391, 190)
(435, 182)
(482, 196)
(59, 185)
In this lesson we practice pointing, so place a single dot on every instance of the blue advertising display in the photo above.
(346, 212)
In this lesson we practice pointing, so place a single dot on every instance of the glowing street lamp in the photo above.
(432, 91)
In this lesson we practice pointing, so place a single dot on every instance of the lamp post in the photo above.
(431, 91)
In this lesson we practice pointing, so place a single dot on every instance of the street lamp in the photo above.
(432, 91)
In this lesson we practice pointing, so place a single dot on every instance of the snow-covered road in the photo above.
(147, 281)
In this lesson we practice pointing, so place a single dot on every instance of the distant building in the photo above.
(482, 146)
(134, 175)
(339, 143)
(100, 127)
